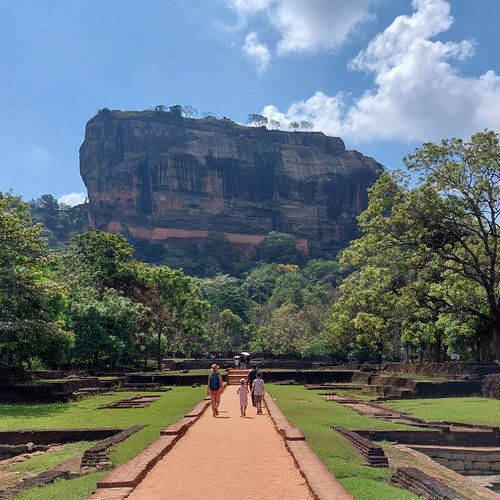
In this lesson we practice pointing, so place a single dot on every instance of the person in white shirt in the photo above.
(258, 391)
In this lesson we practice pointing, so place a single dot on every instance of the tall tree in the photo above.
(176, 310)
(29, 310)
(455, 213)
(439, 237)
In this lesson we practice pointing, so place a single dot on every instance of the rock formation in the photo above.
(158, 176)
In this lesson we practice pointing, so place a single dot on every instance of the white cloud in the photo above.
(317, 24)
(72, 199)
(246, 8)
(257, 52)
(418, 93)
(306, 25)
(325, 112)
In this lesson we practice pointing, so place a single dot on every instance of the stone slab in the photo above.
(198, 410)
(179, 428)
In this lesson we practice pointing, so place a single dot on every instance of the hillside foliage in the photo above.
(421, 283)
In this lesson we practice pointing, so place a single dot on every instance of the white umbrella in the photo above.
(244, 353)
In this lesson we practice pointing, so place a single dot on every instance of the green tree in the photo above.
(98, 259)
(225, 292)
(437, 241)
(260, 282)
(291, 330)
(176, 310)
(455, 213)
(278, 247)
(103, 324)
(294, 125)
(29, 312)
(228, 332)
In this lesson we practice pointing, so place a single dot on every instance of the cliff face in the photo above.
(166, 178)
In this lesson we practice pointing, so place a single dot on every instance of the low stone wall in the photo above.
(465, 461)
(491, 386)
(9, 451)
(48, 392)
(55, 436)
(447, 389)
(442, 369)
(475, 438)
(300, 376)
(55, 374)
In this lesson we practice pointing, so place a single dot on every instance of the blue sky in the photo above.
(385, 75)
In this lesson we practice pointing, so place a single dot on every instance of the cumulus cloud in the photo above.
(418, 93)
(306, 26)
(72, 199)
(257, 52)
(316, 24)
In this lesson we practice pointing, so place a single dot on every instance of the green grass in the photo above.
(482, 411)
(170, 407)
(40, 463)
(306, 410)
(74, 489)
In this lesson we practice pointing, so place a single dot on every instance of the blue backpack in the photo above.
(214, 382)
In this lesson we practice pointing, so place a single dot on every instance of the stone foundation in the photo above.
(491, 386)
(465, 461)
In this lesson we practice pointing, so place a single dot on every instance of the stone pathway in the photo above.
(226, 457)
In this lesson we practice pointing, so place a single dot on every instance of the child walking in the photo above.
(243, 392)
(258, 392)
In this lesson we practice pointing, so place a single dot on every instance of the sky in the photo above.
(385, 75)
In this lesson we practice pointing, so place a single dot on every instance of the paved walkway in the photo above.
(226, 457)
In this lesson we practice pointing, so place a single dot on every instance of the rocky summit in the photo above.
(169, 179)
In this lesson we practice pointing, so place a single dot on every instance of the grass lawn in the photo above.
(483, 411)
(306, 410)
(170, 407)
(74, 489)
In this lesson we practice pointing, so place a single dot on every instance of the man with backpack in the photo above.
(215, 387)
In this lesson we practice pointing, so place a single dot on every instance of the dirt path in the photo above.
(226, 457)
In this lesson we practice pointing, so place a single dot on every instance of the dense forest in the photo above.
(421, 283)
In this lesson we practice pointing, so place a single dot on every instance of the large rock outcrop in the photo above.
(166, 178)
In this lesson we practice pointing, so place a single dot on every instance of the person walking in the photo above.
(215, 387)
(252, 375)
(243, 392)
(258, 391)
